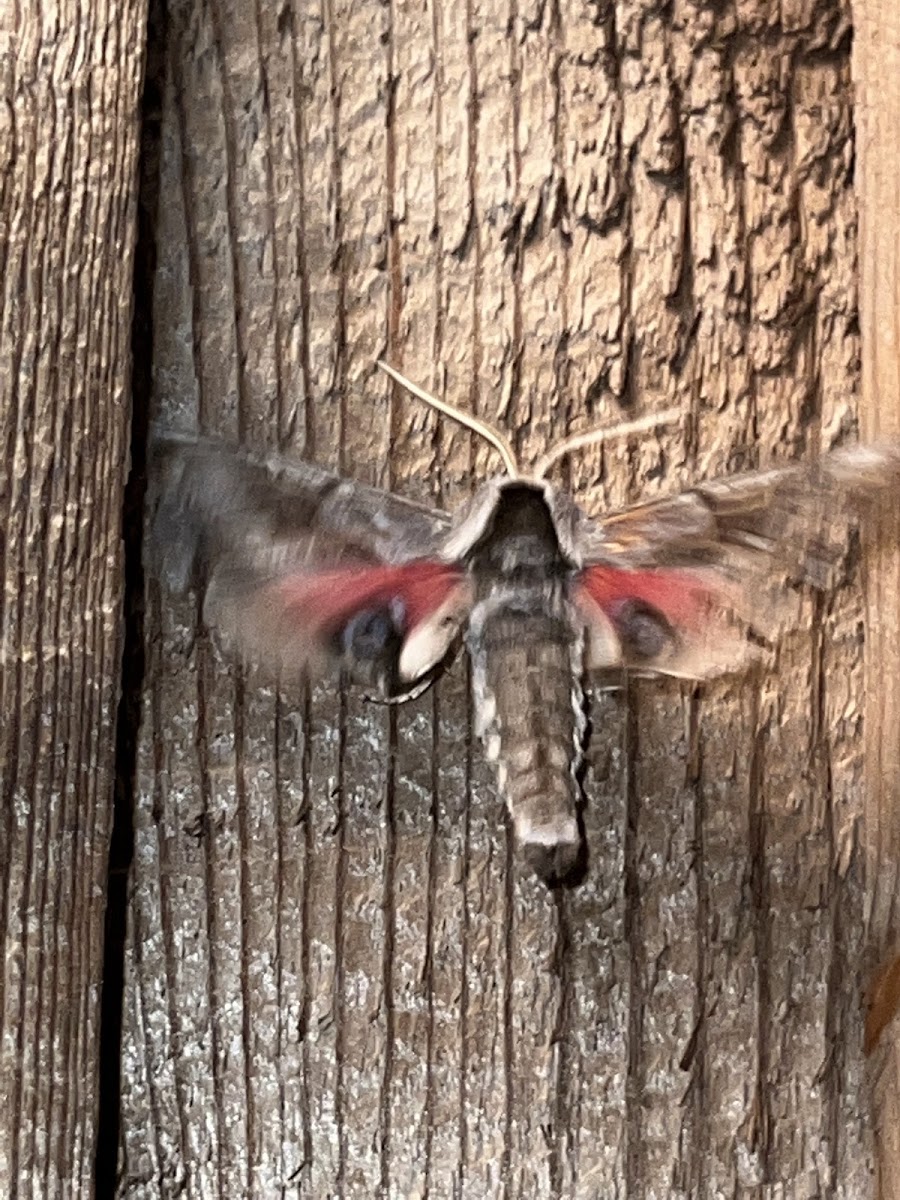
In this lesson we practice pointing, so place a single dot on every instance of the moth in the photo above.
(305, 572)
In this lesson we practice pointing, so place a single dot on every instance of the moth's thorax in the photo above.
(518, 539)
(519, 572)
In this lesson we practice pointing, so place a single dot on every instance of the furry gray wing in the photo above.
(210, 499)
(281, 549)
(716, 565)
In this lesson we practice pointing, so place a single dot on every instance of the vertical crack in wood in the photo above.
(10, 692)
(299, 118)
(230, 143)
(306, 996)
(339, 265)
(133, 655)
(216, 944)
(561, 1154)
(561, 140)
(515, 244)
(339, 984)
(176, 40)
(393, 201)
(142, 976)
(472, 162)
(698, 1064)
(472, 132)
(510, 1074)
(563, 1037)
(338, 395)
(437, 226)
(839, 955)
(428, 964)
(394, 354)
(508, 1015)
(389, 917)
(281, 1041)
(279, 355)
(762, 937)
(635, 1152)
(464, 986)
(428, 969)
(245, 909)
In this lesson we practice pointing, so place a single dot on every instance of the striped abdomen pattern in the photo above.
(526, 653)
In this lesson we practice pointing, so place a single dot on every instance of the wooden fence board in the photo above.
(342, 982)
(69, 134)
(876, 65)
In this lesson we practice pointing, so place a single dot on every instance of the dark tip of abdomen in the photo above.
(562, 864)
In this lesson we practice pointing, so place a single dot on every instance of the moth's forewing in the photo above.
(303, 571)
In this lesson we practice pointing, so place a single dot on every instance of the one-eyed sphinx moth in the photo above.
(303, 571)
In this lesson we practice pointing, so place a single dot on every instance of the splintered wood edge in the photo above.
(876, 70)
(883, 1002)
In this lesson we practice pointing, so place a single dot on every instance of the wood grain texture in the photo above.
(69, 125)
(340, 982)
(877, 79)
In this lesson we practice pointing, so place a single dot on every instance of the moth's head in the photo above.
(510, 507)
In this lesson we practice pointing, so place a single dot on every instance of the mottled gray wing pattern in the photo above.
(284, 549)
(716, 565)
(212, 499)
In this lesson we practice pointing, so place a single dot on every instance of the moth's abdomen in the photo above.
(528, 698)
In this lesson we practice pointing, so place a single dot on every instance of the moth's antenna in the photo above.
(579, 440)
(497, 440)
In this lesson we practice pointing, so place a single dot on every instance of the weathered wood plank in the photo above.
(876, 67)
(547, 213)
(70, 97)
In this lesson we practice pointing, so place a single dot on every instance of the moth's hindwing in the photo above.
(700, 583)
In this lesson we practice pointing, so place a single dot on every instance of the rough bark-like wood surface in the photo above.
(69, 125)
(340, 982)
(877, 79)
